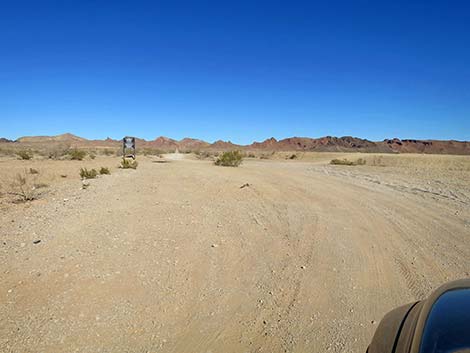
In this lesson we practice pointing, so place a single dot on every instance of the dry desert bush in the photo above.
(88, 173)
(292, 156)
(108, 152)
(345, 161)
(77, 155)
(128, 164)
(25, 154)
(25, 186)
(150, 152)
(205, 154)
(104, 171)
(229, 159)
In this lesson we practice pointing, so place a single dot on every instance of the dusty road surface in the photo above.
(177, 257)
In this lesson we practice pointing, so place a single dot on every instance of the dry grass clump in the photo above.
(229, 159)
(267, 155)
(25, 187)
(345, 161)
(33, 171)
(77, 155)
(88, 174)
(25, 154)
(104, 171)
(108, 152)
(292, 156)
(150, 152)
(128, 164)
(205, 154)
(56, 152)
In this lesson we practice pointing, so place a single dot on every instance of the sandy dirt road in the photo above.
(176, 257)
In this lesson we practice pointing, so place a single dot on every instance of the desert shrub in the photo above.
(92, 155)
(25, 154)
(104, 170)
(24, 187)
(77, 155)
(360, 161)
(204, 154)
(33, 171)
(376, 161)
(108, 152)
(345, 161)
(264, 156)
(293, 156)
(251, 155)
(6, 152)
(150, 152)
(337, 161)
(229, 159)
(57, 153)
(88, 174)
(128, 164)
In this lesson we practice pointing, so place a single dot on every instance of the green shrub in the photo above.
(230, 159)
(88, 174)
(25, 155)
(345, 161)
(77, 155)
(104, 170)
(128, 164)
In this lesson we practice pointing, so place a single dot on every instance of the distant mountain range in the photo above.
(322, 144)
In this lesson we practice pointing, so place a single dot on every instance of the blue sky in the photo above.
(235, 70)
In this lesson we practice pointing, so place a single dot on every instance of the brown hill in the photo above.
(4, 140)
(268, 144)
(224, 146)
(163, 143)
(190, 144)
(323, 144)
(65, 138)
(427, 146)
(328, 143)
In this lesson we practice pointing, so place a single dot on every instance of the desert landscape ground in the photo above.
(180, 255)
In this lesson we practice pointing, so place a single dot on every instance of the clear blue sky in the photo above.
(235, 70)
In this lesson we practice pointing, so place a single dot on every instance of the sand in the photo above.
(176, 257)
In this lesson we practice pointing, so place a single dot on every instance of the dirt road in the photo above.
(176, 257)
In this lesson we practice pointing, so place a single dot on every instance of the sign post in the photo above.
(128, 147)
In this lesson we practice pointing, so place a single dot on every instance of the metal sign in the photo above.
(129, 142)
(128, 147)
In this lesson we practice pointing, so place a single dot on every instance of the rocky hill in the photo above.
(322, 144)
